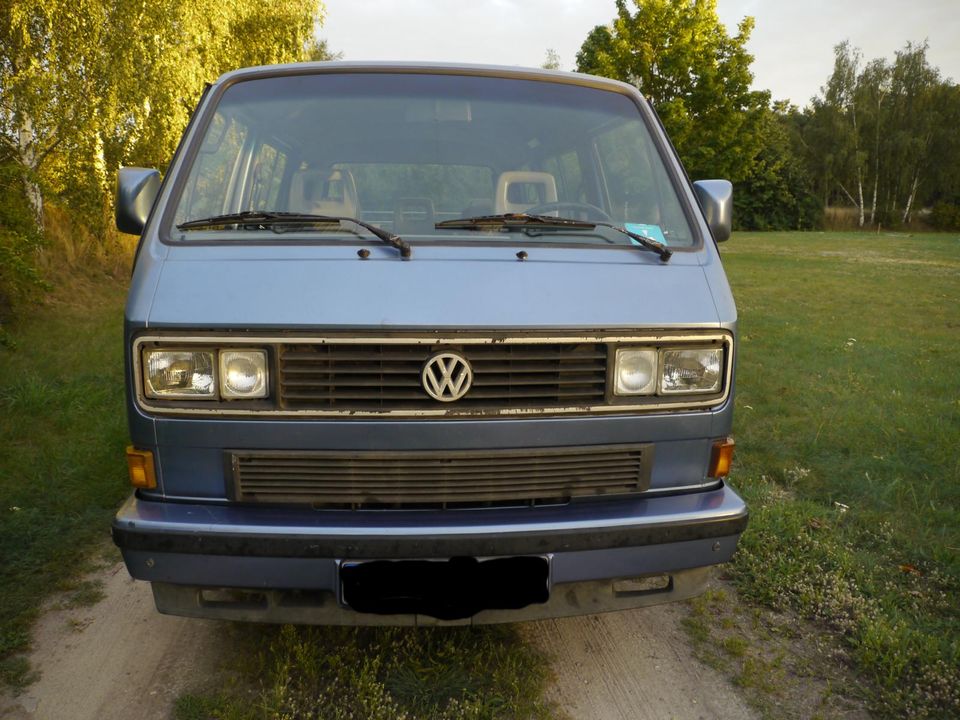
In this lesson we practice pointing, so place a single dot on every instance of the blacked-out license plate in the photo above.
(445, 589)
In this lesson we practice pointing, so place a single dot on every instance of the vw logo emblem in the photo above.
(447, 376)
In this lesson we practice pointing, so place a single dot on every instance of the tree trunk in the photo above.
(860, 193)
(913, 193)
(876, 162)
(28, 161)
(856, 159)
(847, 193)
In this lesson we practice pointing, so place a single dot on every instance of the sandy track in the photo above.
(632, 665)
(117, 660)
(121, 659)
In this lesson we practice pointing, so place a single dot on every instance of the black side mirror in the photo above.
(137, 190)
(716, 202)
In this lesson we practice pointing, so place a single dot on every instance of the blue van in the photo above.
(421, 344)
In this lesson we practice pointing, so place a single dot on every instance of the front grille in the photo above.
(439, 478)
(387, 377)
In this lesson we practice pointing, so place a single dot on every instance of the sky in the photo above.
(792, 42)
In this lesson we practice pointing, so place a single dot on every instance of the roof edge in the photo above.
(477, 70)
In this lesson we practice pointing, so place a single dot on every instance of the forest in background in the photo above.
(878, 147)
(88, 86)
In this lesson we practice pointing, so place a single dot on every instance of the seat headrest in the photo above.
(324, 192)
(513, 181)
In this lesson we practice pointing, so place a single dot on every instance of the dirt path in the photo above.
(116, 660)
(121, 659)
(633, 665)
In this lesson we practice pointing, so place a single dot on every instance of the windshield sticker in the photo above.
(649, 231)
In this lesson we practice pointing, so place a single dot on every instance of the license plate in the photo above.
(444, 589)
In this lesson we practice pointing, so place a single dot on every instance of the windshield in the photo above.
(406, 152)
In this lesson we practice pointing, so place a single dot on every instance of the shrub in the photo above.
(945, 216)
(20, 243)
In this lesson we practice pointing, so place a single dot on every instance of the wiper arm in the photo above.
(514, 220)
(269, 219)
(523, 219)
(658, 247)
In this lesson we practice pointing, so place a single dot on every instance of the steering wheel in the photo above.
(590, 212)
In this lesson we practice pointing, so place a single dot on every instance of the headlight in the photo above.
(243, 373)
(179, 374)
(691, 371)
(635, 372)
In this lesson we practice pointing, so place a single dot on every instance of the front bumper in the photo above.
(182, 547)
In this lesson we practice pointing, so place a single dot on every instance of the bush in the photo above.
(945, 216)
(20, 243)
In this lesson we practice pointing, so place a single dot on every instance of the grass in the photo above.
(62, 469)
(848, 424)
(377, 674)
(783, 667)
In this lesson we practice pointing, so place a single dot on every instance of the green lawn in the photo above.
(62, 434)
(848, 429)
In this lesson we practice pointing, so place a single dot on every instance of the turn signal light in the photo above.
(721, 458)
(140, 467)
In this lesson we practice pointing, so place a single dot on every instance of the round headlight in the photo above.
(636, 372)
(243, 373)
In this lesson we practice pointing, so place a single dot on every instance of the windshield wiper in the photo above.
(514, 220)
(523, 219)
(273, 220)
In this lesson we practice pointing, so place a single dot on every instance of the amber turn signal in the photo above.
(721, 458)
(140, 467)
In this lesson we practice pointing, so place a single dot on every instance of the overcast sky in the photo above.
(792, 42)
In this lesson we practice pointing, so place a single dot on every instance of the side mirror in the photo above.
(137, 190)
(716, 201)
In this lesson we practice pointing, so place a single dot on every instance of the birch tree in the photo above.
(884, 128)
(915, 123)
(87, 85)
(873, 90)
(551, 60)
(841, 93)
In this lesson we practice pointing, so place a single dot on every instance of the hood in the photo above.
(439, 288)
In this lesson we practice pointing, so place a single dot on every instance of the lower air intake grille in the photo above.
(439, 478)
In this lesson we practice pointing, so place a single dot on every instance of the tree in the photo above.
(887, 129)
(318, 50)
(88, 85)
(552, 60)
(678, 54)
(915, 122)
(778, 193)
(943, 177)
(873, 88)
(842, 93)
(19, 240)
